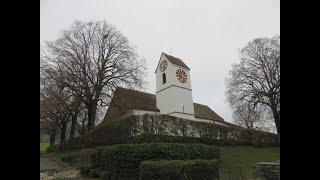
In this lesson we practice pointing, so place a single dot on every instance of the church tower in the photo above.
(173, 87)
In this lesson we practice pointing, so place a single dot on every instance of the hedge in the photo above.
(164, 128)
(179, 170)
(122, 161)
(179, 139)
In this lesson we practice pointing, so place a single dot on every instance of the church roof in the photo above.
(125, 99)
(175, 60)
(204, 112)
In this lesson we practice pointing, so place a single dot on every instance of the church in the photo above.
(173, 96)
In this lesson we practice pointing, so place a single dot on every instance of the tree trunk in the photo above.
(63, 132)
(92, 109)
(276, 116)
(73, 125)
(83, 127)
(52, 139)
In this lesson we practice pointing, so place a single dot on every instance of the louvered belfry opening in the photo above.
(164, 78)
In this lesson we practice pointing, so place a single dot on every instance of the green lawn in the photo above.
(245, 157)
(43, 147)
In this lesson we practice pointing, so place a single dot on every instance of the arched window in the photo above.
(163, 78)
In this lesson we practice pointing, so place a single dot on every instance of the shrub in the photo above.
(179, 170)
(71, 157)
(94, 172)
(139, 129)
(85, 169)
(122, 161)
(81, 157)
(180, 139)
(85, 155)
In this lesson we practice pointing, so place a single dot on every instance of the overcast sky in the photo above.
(206, 34)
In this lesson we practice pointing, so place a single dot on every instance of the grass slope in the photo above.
(43, 147)
(245, 157)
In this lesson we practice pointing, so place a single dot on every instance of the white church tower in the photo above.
(173, 88)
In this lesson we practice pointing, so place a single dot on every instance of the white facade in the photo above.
(141, 112)
(203, 120)
(174, 97)
(219, 123)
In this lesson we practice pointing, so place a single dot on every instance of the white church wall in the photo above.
(168, 71)
(184, 116)
(138, 112)
(220, 123)
(171, 78)
(210, 121)
(203, 120)
(175, 99)
(174, 96)
(142, 112)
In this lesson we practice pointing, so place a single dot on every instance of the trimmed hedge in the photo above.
(168, 129)
(179, 170)
(122, 161)
(180, 139)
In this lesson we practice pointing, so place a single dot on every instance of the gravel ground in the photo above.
(48, 164)
(68, 174)
(52, 170)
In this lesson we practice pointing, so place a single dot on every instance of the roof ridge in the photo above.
(175, 60)
(133, 90)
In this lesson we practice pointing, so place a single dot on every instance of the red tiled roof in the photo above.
(175, 60)
(204, 112)
(125, 99)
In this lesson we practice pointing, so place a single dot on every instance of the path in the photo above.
(48, 164)
(51, 169)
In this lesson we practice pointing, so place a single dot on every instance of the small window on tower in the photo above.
(163, 78)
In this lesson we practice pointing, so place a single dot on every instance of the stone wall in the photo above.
(267, 171)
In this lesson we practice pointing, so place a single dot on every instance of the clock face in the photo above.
(181, 75)
(163, 65)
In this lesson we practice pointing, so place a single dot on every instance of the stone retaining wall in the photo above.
(267, 171)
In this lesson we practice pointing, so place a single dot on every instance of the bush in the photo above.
(94, 172)
(138, 129)
(71, 158)
(85, 169)
(180, 139)
(81, 157)
(179, 170)
(122, 161)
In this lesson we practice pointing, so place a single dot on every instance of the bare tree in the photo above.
(48, 121)
(74, 108)
(249, 116)
(92, 60)
(58, 107)
(51, 110)
(82, 122)
(257, 78)
(48, 118)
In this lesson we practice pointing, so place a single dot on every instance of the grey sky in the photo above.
(206, 34)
